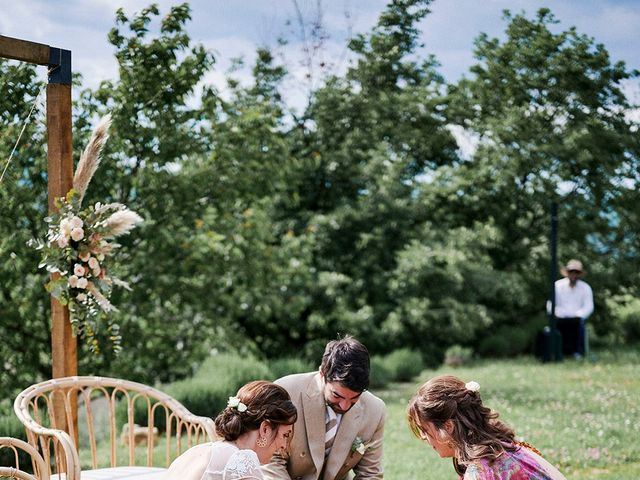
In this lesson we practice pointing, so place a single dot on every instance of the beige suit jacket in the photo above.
(306, 452)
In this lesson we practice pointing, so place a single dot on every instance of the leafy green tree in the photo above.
(368, 138)
(550, 115)
(269, 231)
(24, 320)
(155, 132)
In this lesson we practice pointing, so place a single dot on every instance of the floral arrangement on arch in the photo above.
(80, 249)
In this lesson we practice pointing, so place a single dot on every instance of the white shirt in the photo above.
(328, 414)
(571, 302)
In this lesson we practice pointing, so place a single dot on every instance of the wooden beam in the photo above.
(64, 346)
(24, 51)
(60, 173)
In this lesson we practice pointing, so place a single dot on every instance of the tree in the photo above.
(550, 115)
(154, 134)
(365, 141)
(24, 305)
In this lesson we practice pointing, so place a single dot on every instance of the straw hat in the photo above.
(573, 265)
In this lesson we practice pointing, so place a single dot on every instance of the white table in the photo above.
(119, 473)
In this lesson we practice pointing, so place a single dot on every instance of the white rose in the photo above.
(77, 234)
(73, 281)
(65, 227)
(93, 263)
(84, 256)
(81, 297)
(62, 241)
(76, 222)
(82, 282)
(78, 270)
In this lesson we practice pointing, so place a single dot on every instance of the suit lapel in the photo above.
(344, 439)
(313, 405)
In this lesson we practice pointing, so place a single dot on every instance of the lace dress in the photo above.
(228, 462)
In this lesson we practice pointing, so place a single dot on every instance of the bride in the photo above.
(256, 423)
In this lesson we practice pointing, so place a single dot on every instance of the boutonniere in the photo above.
(359, 446)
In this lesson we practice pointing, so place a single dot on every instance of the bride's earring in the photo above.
(262, 442)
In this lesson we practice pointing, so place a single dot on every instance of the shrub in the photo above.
(202, 397)
(625, 317)
(286, 366)
(403, 364)
(206, 393)
(506, 341)
(457, 356)
(380, 375)
(10, 426)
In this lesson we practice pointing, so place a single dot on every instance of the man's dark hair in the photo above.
(346, 361)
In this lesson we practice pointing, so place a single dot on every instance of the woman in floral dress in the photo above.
(256, 423)
(449, 415)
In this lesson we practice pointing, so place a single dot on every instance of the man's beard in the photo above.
(337, 409)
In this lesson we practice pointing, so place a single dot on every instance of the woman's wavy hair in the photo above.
(265, 401)
(477, 432)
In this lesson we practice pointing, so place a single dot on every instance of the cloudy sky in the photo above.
(232, 28)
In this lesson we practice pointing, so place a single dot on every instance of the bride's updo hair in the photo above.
(264, 401)
(477, 432)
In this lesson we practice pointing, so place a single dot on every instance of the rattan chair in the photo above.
(98, 446)
(38, 469)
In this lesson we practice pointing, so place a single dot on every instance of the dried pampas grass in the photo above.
(103, 301)
(90, 158)
(122, 222)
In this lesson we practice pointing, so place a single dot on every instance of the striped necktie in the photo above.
(332, 428)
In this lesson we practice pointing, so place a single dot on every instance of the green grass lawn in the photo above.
(583, 416)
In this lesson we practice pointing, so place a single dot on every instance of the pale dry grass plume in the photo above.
(122, 222)
(90, 158)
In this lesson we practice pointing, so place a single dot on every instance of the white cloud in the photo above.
(238, 27)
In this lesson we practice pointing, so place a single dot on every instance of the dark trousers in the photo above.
(572, 331)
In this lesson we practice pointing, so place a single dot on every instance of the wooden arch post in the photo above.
(64, 350)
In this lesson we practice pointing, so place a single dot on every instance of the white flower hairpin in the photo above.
(234, 402)
(472, 386)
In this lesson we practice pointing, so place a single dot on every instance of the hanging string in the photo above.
(24, 126)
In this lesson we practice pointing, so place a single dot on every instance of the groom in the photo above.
(340, 424)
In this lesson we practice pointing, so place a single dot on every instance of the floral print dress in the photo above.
(522, 464)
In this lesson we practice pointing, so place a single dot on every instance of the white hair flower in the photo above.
(234, 402)
(472, 386)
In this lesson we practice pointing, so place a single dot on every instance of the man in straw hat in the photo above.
(574, 304)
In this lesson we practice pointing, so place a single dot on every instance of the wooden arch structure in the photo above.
(59, 169)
